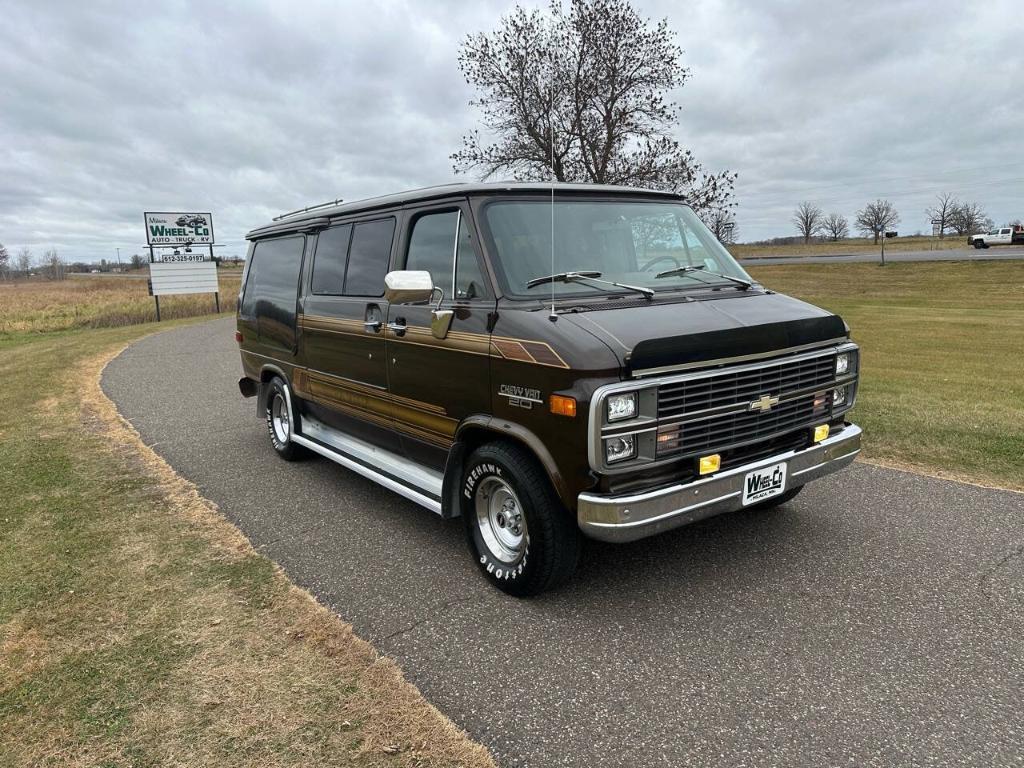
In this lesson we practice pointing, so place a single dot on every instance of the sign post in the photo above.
(182, 270)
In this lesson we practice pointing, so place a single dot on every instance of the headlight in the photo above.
(839, 396)
(619, 448)
(621, 406)
(842, 363)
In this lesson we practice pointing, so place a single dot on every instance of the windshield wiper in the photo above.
(686, 270)
(586, 277)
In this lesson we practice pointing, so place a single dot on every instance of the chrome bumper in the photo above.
(637, 515)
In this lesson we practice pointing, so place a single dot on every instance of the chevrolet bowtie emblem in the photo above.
(764, 403)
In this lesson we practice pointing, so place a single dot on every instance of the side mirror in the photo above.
(408, 286)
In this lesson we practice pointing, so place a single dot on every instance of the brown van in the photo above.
(545, 361)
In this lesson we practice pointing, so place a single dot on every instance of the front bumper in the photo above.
(637, 515)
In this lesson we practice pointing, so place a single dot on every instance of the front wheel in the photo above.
(281, 420)
(520, 534)
(978, 245)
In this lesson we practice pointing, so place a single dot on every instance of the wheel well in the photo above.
(469, 439)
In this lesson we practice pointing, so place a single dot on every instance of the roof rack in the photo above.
(328, 204)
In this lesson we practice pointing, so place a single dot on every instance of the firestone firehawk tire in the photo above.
(281, 423)
(520, 534)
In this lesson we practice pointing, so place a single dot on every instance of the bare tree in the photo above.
(54, 264)
(836, 227)
(874, 218)
(941, 212)
(5, 262)
(24, 261)
(722, 223)
(137, 261)
(968, 218)
(807, 218)
(581, 95)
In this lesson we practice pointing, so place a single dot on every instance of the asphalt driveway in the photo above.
(878, 619)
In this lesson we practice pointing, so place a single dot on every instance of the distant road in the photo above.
(958, 254)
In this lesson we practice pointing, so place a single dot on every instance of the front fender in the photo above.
(477, 429)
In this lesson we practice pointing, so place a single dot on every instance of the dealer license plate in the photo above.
(764, 483)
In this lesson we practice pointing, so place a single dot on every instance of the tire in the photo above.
(776, 501)
(521, 535)
(978, 245)
(985, 245)
(280, 423)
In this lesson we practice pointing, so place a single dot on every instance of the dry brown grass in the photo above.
(41, 306)
(139, 627)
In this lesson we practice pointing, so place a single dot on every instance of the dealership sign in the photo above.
(173, 229)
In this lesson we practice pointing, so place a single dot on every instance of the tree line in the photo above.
(949, 214)
(50, 265)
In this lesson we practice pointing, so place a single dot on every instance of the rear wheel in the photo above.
(519, 532)
(281, 420)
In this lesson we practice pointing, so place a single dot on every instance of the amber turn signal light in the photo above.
(709, 464)
(562, 405)
(820, 432)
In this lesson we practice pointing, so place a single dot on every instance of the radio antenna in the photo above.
(551, 142)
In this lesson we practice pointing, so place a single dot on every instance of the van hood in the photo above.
(669, 334)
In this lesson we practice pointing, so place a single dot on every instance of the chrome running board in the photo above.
(394, 472)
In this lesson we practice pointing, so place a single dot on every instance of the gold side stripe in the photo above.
(521, 350)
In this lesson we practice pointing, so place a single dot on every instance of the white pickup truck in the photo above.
(1001, 236)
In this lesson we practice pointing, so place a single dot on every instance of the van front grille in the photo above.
(730, 388)
(740, 427)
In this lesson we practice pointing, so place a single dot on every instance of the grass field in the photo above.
(41, 306)
(942, 359)
(849, 245)
(137, 627)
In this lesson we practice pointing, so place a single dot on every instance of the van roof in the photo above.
(319, 214)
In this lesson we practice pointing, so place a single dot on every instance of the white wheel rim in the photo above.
(500, 519)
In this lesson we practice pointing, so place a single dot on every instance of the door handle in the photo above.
(372, 325)
(398, 328)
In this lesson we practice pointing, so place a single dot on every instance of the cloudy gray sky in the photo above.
(248, 109)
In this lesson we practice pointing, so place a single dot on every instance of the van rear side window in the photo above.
(368, 256)
(351, 260)
(329, 262)
(273, 282)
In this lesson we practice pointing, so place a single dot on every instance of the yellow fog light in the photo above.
(820, 433)
(709, 464)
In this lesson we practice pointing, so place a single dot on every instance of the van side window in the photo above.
(440, 241)
(272, 288)
(273, 281)
(368, 256)
(330, 259)
(469, 280)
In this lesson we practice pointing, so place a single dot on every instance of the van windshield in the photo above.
(627, 242)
